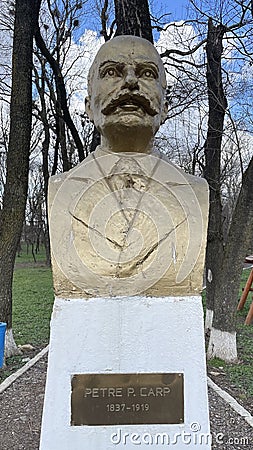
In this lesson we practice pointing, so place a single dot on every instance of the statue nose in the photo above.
(130, 81)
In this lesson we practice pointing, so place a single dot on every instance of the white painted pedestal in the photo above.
(126, 335)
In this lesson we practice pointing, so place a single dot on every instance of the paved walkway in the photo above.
(21, 410)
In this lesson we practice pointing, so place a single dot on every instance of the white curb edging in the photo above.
(8, 381)
(232, 402)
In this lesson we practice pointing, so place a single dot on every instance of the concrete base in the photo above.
(126, 335)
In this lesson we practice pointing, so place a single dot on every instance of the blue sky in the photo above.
(176, 8)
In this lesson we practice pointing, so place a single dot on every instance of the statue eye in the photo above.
(110, 72)
(148, 73)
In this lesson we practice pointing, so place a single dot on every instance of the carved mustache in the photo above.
(133, 99)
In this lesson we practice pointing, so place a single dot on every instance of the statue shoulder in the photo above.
(54, 184)
(191, 178)
(57, 181)
(179, 178)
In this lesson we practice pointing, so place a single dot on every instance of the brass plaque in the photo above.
(123, 399)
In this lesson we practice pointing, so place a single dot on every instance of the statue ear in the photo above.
(88, 109)
(164, 112)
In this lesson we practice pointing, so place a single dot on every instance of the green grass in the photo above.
(32, 306)
(241, 374)
(27, 257)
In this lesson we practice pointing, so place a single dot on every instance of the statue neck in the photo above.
(130, 143)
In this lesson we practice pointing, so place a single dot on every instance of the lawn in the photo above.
(241, 374)
(32, 306)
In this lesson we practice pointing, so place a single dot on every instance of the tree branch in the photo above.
(59, 81)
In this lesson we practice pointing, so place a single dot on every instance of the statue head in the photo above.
(126, 87)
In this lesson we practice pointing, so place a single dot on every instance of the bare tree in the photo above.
(54, 31)
(217, 108)
(133, 17)
(230, 22)
(61, 101)
(15, 190)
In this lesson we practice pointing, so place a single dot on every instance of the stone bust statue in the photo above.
(126, 221)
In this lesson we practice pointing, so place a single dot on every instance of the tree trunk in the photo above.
(217, 106)
(45, 150)
(133, 17)
(61, 90)
(223, 262)
(15, 191)
(222, 341)
(61, 135)
(96, 139)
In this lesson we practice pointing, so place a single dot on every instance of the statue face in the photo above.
(126, 90)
